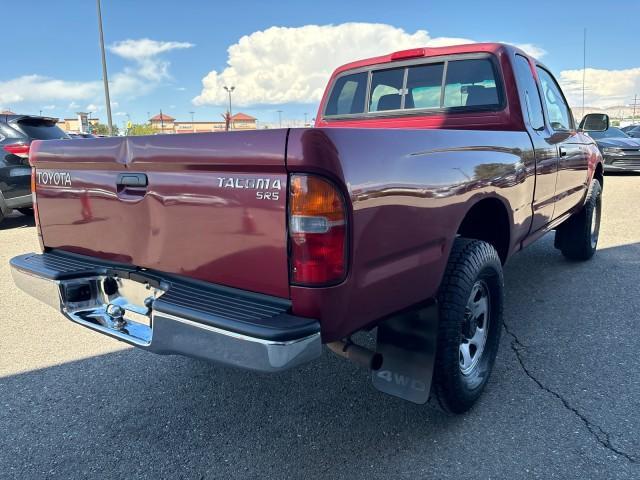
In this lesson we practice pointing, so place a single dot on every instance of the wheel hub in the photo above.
(475, 327)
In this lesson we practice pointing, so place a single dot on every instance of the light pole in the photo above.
(280, 118)
(229, 90)
(104, 70)
(305, 118)
(584, 66)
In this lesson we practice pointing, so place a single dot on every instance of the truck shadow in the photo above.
(131, 413)
(17, 220)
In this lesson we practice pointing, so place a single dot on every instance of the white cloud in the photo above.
(120, 114)
(49, 107)
(281, 64)
(603, 88)
(145, 53)
(145, 48)
(146, 73)
(92, 107)
(39, 88)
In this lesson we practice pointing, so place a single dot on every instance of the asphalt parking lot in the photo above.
(563, 401)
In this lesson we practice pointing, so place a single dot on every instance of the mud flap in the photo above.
(407, 343)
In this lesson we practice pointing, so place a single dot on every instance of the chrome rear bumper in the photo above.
(156, 324)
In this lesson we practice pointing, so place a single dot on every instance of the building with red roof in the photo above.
(167, 124)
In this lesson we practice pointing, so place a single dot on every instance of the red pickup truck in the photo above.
(426, 170)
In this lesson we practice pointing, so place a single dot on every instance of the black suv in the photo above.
(16, 134)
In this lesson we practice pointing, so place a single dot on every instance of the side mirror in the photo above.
(595, 122)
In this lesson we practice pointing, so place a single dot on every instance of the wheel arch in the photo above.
(488, 219)
(598, 174)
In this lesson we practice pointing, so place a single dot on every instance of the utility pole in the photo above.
(149, 117)
(229, 90)
(161, 122)
(105, 79)
(280, 118)
(305, 118)
(635, 102)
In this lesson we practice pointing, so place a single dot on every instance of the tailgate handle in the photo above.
(132, 180)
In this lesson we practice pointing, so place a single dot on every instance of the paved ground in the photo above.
(563, 401)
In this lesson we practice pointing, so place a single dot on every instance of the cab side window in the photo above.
(557, 109)
(529, 95)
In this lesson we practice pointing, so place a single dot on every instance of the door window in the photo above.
(557, 109)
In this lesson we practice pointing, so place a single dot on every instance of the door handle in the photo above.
(563, 152)
(132, 180)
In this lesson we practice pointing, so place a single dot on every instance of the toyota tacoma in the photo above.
(426, 171)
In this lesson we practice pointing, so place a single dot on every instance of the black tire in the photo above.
(577, 237)
(471, 263)
(28, 211)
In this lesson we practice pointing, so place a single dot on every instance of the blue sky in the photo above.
(53, 63)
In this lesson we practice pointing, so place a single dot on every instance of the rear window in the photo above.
(8, 132)
(451, 84)
(386, 86)
(39, 129)
(424, 86)
(348, 95)
(470, 83)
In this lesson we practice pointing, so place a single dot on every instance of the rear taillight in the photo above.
(317, 231)
(19, 149)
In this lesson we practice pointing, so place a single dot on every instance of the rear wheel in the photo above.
(470, 301)
(577, 238)
(26, 211)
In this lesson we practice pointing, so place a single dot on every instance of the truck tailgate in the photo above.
(213, 207)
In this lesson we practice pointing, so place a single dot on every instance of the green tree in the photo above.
(102, 129)
(141, 129)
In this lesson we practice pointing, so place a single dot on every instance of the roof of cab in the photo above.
(427, 52)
